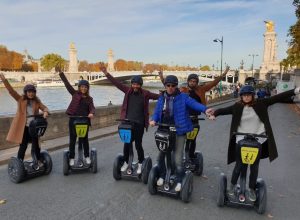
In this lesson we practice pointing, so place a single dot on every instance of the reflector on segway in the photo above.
(249, 155)
(81, 130)
(193, 134)
(125, 132)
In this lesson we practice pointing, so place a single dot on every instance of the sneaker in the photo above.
(160, 181)
(231, 190)
(139, 169)
(252, 195)
(124, 167)
(71, 162)
(88, 160)
(178, 187)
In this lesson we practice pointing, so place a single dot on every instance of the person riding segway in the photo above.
(127, 135)
(250, 116)
(172, 108)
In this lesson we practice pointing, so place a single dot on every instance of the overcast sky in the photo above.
(163, 31)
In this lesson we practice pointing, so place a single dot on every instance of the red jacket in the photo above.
(128, 90)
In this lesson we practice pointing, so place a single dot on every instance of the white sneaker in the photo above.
(178, 187)
(124, 167)
(71, 162)
(160, 181)
(88, 160)
(139, 169)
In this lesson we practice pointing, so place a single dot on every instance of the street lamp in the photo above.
(221, 41)
(253, 55)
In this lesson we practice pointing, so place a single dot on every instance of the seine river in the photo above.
(58, 98)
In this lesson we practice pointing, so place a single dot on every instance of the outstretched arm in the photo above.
(193, 104)
(224, 111)
(68, 86)
(119, 85)
(10, 89)
(208, 86)
(282, 97)
(161, 76)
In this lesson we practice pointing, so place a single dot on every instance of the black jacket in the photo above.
(261, 109)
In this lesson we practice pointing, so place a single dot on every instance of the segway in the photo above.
(195, 165)
(81, 124)
(249, 151)
(126, 134)
(19, 170)
(165, 138)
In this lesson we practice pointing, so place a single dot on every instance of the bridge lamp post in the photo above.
(221, 41)
(253, 55)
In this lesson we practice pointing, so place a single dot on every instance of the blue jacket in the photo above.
(181, 105)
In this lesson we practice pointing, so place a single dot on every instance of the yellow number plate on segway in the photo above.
(193, 134)
(249, 155)
(81, 130)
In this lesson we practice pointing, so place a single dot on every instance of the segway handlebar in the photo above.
(36, 116)
(195, 117)
(250, 134)
(167, 125)
(128, 120)
(77, 116)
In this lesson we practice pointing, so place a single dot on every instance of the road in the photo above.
(99, 196)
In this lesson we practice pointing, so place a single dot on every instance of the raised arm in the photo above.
(153, 96)
(119, 85)
(208, 86)
(68, 86)
(161, 76)
(10, 89)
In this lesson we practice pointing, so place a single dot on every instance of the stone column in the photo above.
(73, 64)
(110, 62)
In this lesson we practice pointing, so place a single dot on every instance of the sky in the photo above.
(152, 31)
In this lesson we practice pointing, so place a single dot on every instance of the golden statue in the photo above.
(72, 45)
(269, 26)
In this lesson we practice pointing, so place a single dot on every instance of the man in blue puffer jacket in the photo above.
(173, 108)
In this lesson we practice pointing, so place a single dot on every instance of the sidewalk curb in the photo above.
(64, 145)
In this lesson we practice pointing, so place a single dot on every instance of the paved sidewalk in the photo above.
(62, 142)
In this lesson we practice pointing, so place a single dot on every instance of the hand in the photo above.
(104, 70)
(2, 77)
(226, 70)
(212, 117)
(152, 123)
(45, 114)
(209, 112)
(90, 116)
(160, 73)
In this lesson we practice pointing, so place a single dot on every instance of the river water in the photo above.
(58, 98)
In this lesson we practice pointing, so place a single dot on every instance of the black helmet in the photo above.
(247, 89)
(84, 83)
(171, 79)
(193, 76)
(137, 79)
(29, 87)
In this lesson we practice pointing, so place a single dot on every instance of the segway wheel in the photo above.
(152, 180)
(66, 166)
(199, 167)
(187, 187)
(47, 162)
(222, 190)
(117, 167)
(147, 165)
(16, 170)
(94, 166)
(261, 196)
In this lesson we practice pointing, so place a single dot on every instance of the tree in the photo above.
(121, 65)
(10, 60)
(205, 68)
(83, 66)
(50, 61)
(293, 53)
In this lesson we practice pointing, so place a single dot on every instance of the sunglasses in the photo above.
(171, 85)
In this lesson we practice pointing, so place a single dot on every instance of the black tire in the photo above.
(117, 167)
(16, 170)
(94, 165)
(222, 190)
(152, 180)
(66, 166)
(147, 165)
(187, 187)
(45, 156)
(199, 167)
(261, 196)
